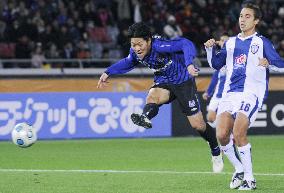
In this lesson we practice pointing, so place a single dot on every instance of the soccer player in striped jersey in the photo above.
(171, 61)
(247, 58)
(215, 88)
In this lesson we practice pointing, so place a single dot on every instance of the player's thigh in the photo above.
(224, 117)
(186, 95)
(158, 96)
(246, 112)
(248, 106)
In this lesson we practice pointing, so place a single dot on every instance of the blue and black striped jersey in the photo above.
(168, 59)
(216, 85)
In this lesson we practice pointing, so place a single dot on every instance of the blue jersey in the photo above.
(216, 85)
(241, 57)
(168, 59)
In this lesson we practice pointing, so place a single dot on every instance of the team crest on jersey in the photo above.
(240, 61)
(191, 103)
(254, 48)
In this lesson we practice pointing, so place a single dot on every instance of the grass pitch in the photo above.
(163, 165)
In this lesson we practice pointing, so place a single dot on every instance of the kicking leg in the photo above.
(156, 97)
(208, 133)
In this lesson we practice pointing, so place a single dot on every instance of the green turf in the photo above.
(59, 159)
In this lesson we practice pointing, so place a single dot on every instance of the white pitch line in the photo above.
(132, 171)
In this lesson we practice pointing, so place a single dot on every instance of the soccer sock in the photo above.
(210, 136)
(212, 124)
(151, 110)
(245, 154)
(231, 153)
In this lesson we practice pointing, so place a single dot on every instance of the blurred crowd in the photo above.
(87, 29)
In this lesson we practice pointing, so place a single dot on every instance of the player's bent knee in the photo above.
(157, 96)
(151, 99)
(223, 137)
(197, 122)
(199, 126)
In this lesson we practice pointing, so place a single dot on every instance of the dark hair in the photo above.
(139, 30)
(225, 34)
(254, 7)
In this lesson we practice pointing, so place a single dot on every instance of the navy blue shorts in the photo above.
(186, 95)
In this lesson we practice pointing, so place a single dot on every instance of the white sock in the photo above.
(245, 154)
(231, 136)
(229, 151)
(212, 124)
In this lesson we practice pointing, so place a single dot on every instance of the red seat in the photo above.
(7, 50)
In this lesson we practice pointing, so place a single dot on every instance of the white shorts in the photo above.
(213, 104)
(245, 103)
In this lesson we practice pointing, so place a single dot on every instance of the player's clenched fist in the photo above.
(263, 62)
(209, 43)
(192, 70)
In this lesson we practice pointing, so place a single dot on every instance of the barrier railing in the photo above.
(95, 67)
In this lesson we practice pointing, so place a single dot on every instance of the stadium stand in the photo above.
(96, 29)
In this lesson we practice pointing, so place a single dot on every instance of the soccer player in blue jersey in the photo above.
(215, 88)
(247, 57)
(171, 61)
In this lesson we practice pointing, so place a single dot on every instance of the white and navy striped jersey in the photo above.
(241, 57)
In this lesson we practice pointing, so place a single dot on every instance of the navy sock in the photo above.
(210, 136)
(151, 110)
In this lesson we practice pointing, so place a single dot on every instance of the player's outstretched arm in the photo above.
(103, 81)
(122, 66)
(271, 56)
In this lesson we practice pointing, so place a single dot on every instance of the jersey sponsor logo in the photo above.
(254, 48)
(240, 61)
